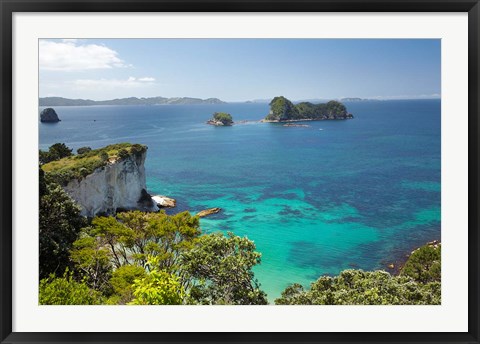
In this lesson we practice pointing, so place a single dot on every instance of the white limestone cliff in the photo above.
(116, 186)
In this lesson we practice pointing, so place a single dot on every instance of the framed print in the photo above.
(239, 171)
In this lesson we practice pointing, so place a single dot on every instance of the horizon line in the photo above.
(262, 100)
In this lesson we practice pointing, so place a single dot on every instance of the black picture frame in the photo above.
(9, 7)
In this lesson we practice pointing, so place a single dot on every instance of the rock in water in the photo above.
(207, 212)
(164, 201)
(49, 115)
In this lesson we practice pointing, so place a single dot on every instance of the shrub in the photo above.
(66, 291)
(123, 153)
(83, 150)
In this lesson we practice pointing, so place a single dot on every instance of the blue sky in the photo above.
(240, 69)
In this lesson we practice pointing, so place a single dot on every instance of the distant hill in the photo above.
(59, 101)
(355, 99)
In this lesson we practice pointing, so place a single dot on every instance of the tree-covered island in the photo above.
(283, 110)
(221, 119)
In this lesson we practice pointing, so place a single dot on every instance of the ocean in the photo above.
(359, 193)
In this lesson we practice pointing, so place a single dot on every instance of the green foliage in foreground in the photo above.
(417, 284)
(157, 288)
(424, 264)
(141, 258)
(123, 280)
(282, 109)
(221, 268)
(223, 117)
(357, 287)
(66, 291)
(59, 225)
(68, 167)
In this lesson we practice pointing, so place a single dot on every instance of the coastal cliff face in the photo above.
(119, 185)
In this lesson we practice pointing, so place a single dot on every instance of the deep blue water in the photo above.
(359, 193)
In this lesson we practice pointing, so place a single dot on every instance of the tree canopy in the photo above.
(155, 258)
(66, 291)
(221, 270)
(424, 264)
(357, 287)
(59, 226)
(55, 152)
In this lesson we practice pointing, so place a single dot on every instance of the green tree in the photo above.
(157, 287)
(424, 264)
(92, 262)
(43, 157)
(133, 236)
(221, 270)
(123, 280)
(84, 150)
(55, 152)
(59, 225)
(59, 151)
(66, 291)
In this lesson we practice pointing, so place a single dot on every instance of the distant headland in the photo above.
(59, 101)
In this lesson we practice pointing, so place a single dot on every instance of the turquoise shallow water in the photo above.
(359, 193)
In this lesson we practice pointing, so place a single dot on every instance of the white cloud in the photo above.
(69, 40)
(68, 55)
(109, 84)
(147, 79)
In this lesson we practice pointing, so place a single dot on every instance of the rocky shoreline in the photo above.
(303, 120)
(217, 123)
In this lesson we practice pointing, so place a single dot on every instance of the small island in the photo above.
(221, 119)
(283, 110)
(49, 115)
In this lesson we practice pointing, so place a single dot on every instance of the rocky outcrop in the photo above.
(164, 201)
(49, 115)
(216, 123)
(207, 212)
(119, 185)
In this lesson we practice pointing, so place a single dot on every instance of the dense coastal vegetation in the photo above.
(62, 165)
(151, 258)
(419, 283)
(282, 109)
